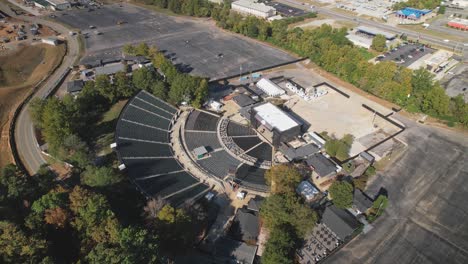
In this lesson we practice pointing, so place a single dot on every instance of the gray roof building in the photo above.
(243, 100)
(246, 225)
(361, 201)
(255, 203)
(298, 153)
(75, 86)
(231, 251)
(111, 69)
(340, 221)
(321, 164)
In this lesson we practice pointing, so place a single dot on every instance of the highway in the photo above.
(451, 45)
(26, 142)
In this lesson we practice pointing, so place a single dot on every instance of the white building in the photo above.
(253, 8)
(59, 4)
(50, 41)
(307, 190)
(270, 88)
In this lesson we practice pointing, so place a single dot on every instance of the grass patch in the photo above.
(367, 54)
(103, 134)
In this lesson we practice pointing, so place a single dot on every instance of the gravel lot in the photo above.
(195, 45)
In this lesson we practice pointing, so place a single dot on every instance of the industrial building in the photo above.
(458, 23)
(59, 4)
(250, 7)
(274, 124)
(412, 13)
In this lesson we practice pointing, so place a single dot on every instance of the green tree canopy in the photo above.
(283, 178)
(341, 193)
(379, 43)
(100, 176)
(18, 247)
(279, 248)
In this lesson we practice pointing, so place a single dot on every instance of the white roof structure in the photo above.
(307, 190)
(270, 88)
(273, 117)
(375, 31)
(253, 5)
(58, 2)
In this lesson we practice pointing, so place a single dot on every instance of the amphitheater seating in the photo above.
(262, 152)
(143, 145)
(198, 139)
(219, 163)
(247, 143)
(235, 129)
(251, 177)
(201, 121)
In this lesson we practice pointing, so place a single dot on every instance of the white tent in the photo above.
(270, 88)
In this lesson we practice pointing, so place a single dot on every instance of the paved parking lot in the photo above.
(407, 54)
(426, 220)
(195, 45)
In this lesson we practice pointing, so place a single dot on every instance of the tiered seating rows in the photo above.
(154, 109)
(262, 152)
(168, 184)
(158, 102)
(234, 129)
(131, 148)
(247, 142)
(219, 163)
(198, 139)
(201, 121)
(131, 130)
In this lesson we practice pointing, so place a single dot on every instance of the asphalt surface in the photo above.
(451, 45)
(26, 142)
(426, 221)
(194, 45)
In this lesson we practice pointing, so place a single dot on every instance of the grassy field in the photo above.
(105, 128)
(19, 72)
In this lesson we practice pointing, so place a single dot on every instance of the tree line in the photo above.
(419, 4)
(329, 48)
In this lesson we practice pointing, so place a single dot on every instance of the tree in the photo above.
(53, 199)
(159, 89)
(279, 248)
(14, 185)
(339, 148)
(143, 79)
(36, 108)
(105, 88)
(123, 86)
(100, 176)
(436, 102)
(379, 43)
(287, 209)
(283, 178)
(17, 247)
(459, 109)
(57, 124)
(142, 49)
(341, 193)
(441, 10)
(56, 216)
(152, 208)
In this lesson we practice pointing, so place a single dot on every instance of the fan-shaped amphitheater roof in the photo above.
(144, 147)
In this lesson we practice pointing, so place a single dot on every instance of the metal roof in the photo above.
(376, 31)
(255, 6)
(275, 117)
(340, 222)
(110, 69)
(321, 164)
(236, 251)
(361, 201)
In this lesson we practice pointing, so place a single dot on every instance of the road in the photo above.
(426, 221)
(361, 21)
(26, 142)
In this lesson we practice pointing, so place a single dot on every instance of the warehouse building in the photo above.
(374, 32)
(59, 4)
(458, 23)
(412, 13)
(250, 7)
(274, 124)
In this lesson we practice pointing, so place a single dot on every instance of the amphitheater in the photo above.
(148, 130)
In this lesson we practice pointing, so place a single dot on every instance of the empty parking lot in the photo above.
(195, 45)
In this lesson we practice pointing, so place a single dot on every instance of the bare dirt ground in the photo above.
(19, 71)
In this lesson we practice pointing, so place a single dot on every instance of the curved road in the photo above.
(26, 142)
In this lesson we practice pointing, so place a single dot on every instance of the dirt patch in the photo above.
(20, 72)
